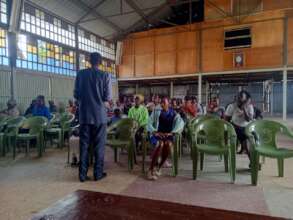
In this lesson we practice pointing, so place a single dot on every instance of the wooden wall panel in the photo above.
(265, 57)
(144, 45)
(165, 43)
(277, 4)
(144, 65)
(267, 34)
(212, 49)
(165, 63)
(126, 69)
(186, 61)
(211, 12)
(290, 41)
(186, 40)
(128, 47)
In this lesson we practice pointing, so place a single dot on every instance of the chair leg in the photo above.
(254, 167)
(13, 146)
(68, 154)
(194, 162)
(115, 155)
(27, 147)
(201, 161)
(232, 165)
(144, 152)
(281, 167)
(226, 162)
(175, 158)
(39, 146)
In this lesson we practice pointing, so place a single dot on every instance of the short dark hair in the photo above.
(95, 59)
(242, 92)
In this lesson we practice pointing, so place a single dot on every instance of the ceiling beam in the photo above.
(106, 21)
(220, 10)
(90, 11)
(134, 6)
(141, 21)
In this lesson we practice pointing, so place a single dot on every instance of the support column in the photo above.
(12, 60)
(199, 87)
(171, 90)
(285, 94)
(272, 99)
(136, 88)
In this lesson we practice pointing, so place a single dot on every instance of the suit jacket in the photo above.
(92, 89)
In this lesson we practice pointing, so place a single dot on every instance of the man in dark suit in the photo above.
(93, 92)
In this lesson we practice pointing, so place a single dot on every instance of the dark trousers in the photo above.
(95, 135)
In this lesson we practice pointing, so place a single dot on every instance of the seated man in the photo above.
(40, 108)
(29, 110)
(52, 106)
(189, 109)
(162, 125)
(139, 113)
(116, 117)
(11, 110)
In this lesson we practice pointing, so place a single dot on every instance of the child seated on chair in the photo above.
(163, 123)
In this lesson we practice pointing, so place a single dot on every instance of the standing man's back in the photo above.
(93, 92)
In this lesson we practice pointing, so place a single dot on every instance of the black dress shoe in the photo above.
(101, 177)
(84, 179)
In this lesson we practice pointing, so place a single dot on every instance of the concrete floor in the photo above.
(28, 185)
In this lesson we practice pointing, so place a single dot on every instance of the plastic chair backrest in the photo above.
(66, 119)
(216, 132)
(35, 124)
(13, 124)
(264, 132)
(126, 129)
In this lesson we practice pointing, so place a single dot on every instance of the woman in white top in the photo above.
(240, 113)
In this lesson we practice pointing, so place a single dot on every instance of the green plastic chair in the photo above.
(124, 138)
(3, 124)
(36, 126)
(175, 152)
(191, 126)
(10, 132)
(58, 127)
(219, 139)
(262, 135)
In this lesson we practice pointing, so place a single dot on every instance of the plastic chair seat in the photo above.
(26, 136)
(53, 130)
(274, 152)
(212, 149)
(117, 143)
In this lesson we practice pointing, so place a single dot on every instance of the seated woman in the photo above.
(162, 126)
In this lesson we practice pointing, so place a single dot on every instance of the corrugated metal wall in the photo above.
(29, 85)
(4, 88)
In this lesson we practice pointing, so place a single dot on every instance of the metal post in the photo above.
(136, 88)
(76, 48)
(272, 99)
(199, 95)
(12, 59)
(171, 90)
(285, 94)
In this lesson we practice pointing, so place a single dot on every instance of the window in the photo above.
(35, 21)
(91, 43)
(3, 11)
(44, 56)
(237, 38)
(106, 66)
(4, 60)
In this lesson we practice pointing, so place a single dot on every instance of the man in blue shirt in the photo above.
(93, 93)
(40, 109)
